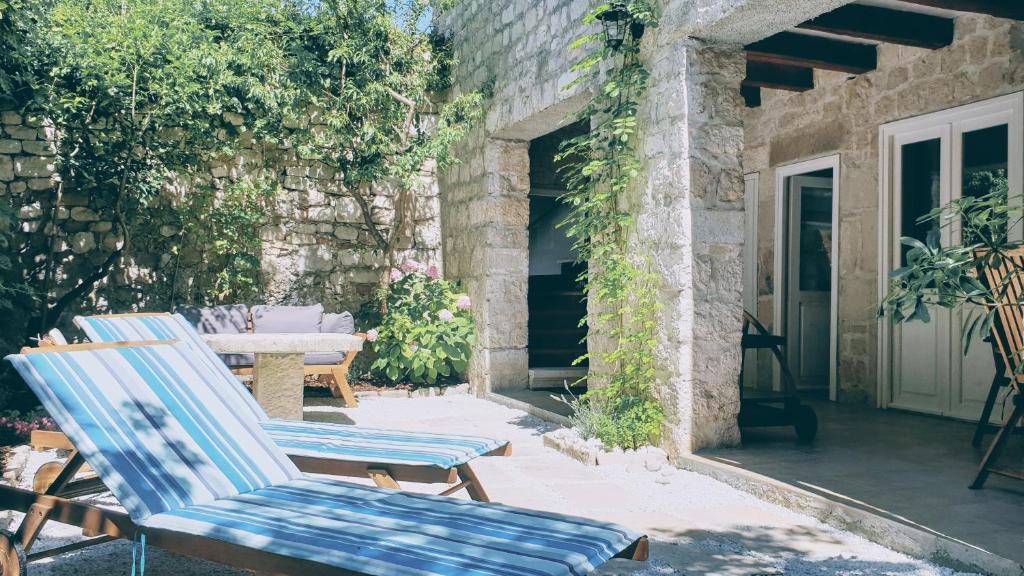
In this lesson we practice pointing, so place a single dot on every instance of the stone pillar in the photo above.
(691, 224)
(485, 216)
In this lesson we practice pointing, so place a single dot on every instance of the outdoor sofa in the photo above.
(265, 319)
(387, 457)
(198, 477)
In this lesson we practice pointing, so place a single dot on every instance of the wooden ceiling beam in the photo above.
(885, 25)
(809, 51)
(1012, 9)
(779, 76)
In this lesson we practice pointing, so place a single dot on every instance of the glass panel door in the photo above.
(983, 165)
(920, 379)
(927, 162)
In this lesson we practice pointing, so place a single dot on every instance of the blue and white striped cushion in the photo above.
(355, 443)
(296, 437)
(170, 327)
(157, 441)
(374, 531)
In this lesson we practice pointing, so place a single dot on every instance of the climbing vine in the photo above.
(600, 167)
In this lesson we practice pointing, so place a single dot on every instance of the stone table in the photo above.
(280, 360)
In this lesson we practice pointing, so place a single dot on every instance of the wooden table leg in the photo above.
(277, 384)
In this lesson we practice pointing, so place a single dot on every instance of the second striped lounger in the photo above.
(388, 457)
(198, 478)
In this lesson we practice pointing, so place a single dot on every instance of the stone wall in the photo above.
(690, 220)
(521, 49)
(689, 204)
(842, 115)
(316, 248)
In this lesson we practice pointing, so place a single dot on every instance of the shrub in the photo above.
(617, 420)
(426, 330)
(16, 428)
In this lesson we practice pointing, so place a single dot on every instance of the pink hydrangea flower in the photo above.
(372, 335)
(433, 272)
(396, 275)
(446, 315)
(463, 303)
(411, 266)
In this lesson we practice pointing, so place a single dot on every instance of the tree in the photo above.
(369, 71)
(138, 91)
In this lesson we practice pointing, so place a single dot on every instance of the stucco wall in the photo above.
(842, 115)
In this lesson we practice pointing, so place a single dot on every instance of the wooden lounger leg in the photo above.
(340, 388)
(473, 487)
(39, 513)
(382, 478)
(996, 449)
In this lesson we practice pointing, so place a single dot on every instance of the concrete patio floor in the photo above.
(910, 468)
(698, 525)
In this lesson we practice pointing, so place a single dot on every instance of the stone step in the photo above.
(556, 378)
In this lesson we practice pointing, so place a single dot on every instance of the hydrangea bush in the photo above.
(16, 428)
(427, 330)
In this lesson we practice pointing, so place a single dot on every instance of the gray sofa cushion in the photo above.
(287, 319)
(226, 319)
(323, 358)
(342, 323)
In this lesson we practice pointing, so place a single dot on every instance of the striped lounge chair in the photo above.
(198, 478)
(385, 456)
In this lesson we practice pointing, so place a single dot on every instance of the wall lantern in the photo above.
(616, 20)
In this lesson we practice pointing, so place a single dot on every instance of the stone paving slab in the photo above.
(698, 525)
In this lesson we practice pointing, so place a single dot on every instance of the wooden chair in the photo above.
(1007, 282)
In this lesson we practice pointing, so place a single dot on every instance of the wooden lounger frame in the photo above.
(1007, 282)
(337, 374)
(102, 525)
(462, 477)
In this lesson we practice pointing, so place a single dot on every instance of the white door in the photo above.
(809, 280)
(926, 163)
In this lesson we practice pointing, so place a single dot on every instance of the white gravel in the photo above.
(697, 525)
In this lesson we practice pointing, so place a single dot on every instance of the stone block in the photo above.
(33, 167)
(6, 169)
(112, 241)
(38, 147)
(31, 211)
(321, 214)
(84, 214)
(507, 369)
(346, 209)
(10, 118)
(39, 184)
(21, 132)
(8, 146)
(346, 233)
(82, 242)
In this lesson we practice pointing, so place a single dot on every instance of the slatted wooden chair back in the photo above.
(1006, 281)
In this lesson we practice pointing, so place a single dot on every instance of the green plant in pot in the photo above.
(947, 277)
